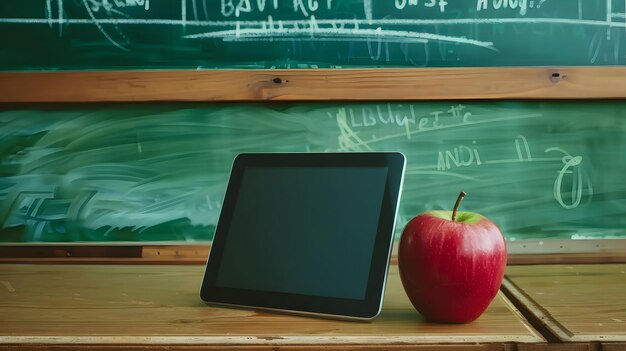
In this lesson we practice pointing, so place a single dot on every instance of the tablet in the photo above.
(306, 233)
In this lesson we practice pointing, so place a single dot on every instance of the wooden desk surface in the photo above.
(578, 303)
(159, 305)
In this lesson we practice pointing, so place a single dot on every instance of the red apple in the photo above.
(451, 264)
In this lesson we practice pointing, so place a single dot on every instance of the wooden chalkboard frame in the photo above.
(316, 84)
(520, 252)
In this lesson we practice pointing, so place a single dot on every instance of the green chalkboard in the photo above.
(153, 172)
(124, 34)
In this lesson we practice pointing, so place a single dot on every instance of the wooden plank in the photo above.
(187, 253)
(568, 258)
(533, 312)
(565, 246)
(578, 303)
(317, 84)
(159, 305)
(455, 347)
(104, 261)
(196, 254)
(105, 253)
(560, 347)
(54, 251)
(440, 347)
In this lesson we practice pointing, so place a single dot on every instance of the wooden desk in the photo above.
(577, 303)
(158, 307)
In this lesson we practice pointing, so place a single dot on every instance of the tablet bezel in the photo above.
(366, 309)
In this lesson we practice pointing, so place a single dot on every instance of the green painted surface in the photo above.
(151, 172)
(124, 34)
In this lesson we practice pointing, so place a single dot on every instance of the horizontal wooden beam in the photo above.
(105, 253)
(186, 254)
(567, 258)
(54, 251)
(316, 84)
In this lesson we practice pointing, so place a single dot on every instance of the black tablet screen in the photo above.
(304, 230)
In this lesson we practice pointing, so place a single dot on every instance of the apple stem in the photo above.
(456, 205)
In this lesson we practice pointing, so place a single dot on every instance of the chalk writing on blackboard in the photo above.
(572, 166)
(456, 157)
(326, 20)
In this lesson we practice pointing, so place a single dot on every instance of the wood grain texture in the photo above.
(536, 316)
(579, 303)
(316, 84)
(560, 347)
(418, 347)
(159, 305)
(54, 251)
(385, 347)
(196, 254)
(184, 254)
(568, 258)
